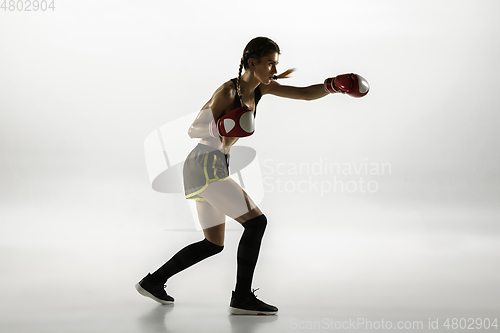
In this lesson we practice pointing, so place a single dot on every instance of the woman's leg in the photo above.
(212, 221)
(152, 285)
(230, 199)
(196, 252)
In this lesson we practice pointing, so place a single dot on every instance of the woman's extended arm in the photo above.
(306, 93)
(314, 92)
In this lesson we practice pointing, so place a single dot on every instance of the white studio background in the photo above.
(83, 85)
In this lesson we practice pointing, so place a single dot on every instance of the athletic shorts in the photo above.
(204, 165)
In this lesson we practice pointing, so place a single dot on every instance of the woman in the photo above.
(226, 117)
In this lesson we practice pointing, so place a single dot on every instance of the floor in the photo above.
(362, 281)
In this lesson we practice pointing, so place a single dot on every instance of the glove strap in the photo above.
(212, 129)
(328, 85)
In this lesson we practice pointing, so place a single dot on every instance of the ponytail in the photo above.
(285, 74)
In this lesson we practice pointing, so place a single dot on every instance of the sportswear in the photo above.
(153, 285)
(147, 287)
(250, 305)
(248, 252)
(203, 165)
(237, 102)
(206, 164)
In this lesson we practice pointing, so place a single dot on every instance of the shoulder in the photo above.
(220, 103)
(225, 94)
(223, 99)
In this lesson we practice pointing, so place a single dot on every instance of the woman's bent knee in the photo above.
(250, 215)
(215, 234)
(212, 247)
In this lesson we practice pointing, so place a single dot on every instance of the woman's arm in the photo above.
(220, 101)
(306, 93)
(199, 128)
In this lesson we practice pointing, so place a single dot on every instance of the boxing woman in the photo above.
(226, 117)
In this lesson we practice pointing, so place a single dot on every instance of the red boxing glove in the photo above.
(352, 84)
(237, 123)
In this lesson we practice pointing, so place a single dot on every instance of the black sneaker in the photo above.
(250, 305)
(156, 292)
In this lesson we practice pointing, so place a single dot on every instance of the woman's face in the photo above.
(266, 68)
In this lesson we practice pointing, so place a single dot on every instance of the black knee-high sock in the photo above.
(248, 252)
(185, 258)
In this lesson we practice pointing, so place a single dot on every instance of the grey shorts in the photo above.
(204, 165)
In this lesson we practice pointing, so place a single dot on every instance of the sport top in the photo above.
(258, 95)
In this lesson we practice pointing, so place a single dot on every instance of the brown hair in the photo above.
(258, 48)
